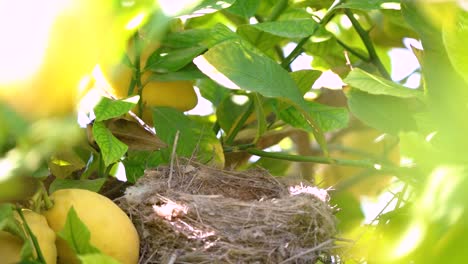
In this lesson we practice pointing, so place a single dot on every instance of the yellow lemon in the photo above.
(177, 94)
(49, 46)
(10, 245)
(111, 230)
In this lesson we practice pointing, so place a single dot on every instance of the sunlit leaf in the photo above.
(328, 118)
(112, 149)
(386, 113)
(370, 4)
(376, 85)
(108, 108)
(174, 60)
(212, 91)
(244, 8)
(234, 65)
(137, 161)
(299, 28)
(96, 258)
(92, 185)
(455, 37)
(195, 139)
(186, 39)
(76, 234)
(305, 79)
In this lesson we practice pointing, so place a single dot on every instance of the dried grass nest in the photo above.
(198, 214)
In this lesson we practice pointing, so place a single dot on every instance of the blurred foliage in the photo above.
(377, 139)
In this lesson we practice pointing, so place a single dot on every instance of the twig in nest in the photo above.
(174, 147)
(307, 251)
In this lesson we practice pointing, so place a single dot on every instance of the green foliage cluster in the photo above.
(236, 49)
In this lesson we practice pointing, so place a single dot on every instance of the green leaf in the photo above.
(376, 85)
(186, 39)
(305, 79)
(386, 113)
(108, 108)
(328, 118)
(455, 36)
(8, 221)
(137, 161)
(76, 234)
(63, 164)
(92, 185)
(234, 65)
(112, 149)
(173, 60)
(367, 5)
(260, 114)
(212, 91)
(244, 8)
(12, 126)
(188, 73)
(260, 39)
(297, 28)
(214, 5)
(195, 138)
(229, 114)
(219, 34)
(96, 258)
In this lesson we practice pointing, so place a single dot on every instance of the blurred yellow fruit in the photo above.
(366, 141)
(10, 245)
(177, 94)
(48, 46)
(111, 230)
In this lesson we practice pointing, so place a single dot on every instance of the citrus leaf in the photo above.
(195, 138)
(186, 39)
(260, 39)
(230, 115)
(137, 161)
(213, 5)
(212, 91)
(376, 85)
(76, 234)
(174, 60)
(367, 5)
(92, 185)
(297, 28)
(455, 37)
(328, 117)
(8, 221)
(305, 79)
(260, 114)
(63, 164)
(97, 258)
(244, 8)
(112, 149)
(187, 73)
(234, 65)
(108, 108)
(386, 113)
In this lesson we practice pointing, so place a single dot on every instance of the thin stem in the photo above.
(232, 133)
(278, 10)
(369, 164)
(294, 54)
(352, 51)
(40, 256)
(364, 35)
(45, 197)
(298, 49)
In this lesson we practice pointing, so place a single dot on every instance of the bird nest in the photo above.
(198, 214)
